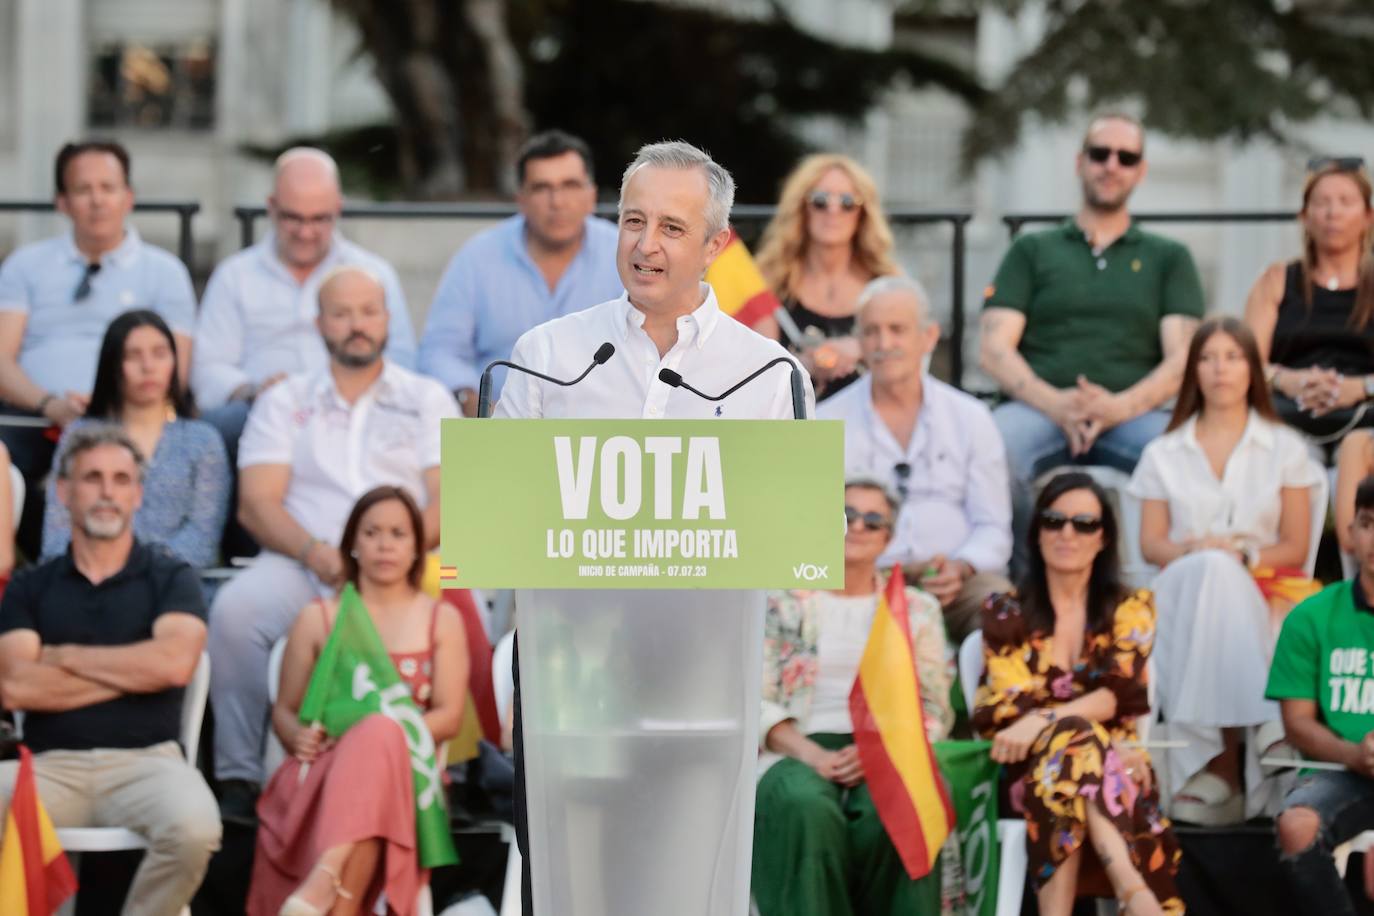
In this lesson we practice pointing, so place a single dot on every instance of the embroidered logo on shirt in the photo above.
(1135, 265)
(719, 411)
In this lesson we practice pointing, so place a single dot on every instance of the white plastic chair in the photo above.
(503, 686)
(76, 840)
(17, 490)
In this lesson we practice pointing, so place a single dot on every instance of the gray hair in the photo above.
(865, 482)
(896, 283)
(679, 154)
(94, 435)
(295, 153)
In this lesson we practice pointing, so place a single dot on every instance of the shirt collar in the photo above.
(119, 256)
(138, 559)
(701, 322)
(1070, 228)
(1257, 430)
(323, 388)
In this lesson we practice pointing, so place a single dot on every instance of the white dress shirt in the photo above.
(1246, 500)
(257, 320)
(338, 451)
(712, 353)
(955, 496)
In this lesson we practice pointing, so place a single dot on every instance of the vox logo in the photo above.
(810, 572)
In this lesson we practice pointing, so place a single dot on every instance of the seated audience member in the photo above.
(257, 317)
(58, 295)
(1320, 678)
(313, 445)
(97, 646)
(1085, 325)
(815, 825)
(551, 259)
(1225, 511)
(936, 447)
(1064, 682)
(186, 479)
(827, 239)
(1312, 316)
(337, 820)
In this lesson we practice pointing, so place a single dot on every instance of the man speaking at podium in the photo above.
(674, 220)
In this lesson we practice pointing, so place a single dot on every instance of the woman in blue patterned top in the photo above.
(187, 479)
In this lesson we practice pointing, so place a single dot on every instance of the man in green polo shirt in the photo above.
(1085, 326)
(1323, 678)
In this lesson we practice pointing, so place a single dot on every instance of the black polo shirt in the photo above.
(62, 606)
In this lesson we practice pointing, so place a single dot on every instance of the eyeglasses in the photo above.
(83, 288)
(903, 471)
(872, 521)
(1339, 163)
(293, 220)
(1083, 524)
(820, 201)
(1127, 157)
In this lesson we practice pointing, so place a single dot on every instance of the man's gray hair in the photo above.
(94, 435)
(895, 283)
(311, 153)
(679, 154)
(865, 482)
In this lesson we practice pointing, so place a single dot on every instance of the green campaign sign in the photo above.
(642, 504)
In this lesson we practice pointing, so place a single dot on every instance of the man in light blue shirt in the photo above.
(553, 259)
(936, 447)
(57, 297)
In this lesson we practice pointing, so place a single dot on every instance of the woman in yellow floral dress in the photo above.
(1065, 680)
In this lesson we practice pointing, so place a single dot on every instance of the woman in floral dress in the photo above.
(1064, 681)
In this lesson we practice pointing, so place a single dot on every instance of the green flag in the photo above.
(972, 779)
(353, 678)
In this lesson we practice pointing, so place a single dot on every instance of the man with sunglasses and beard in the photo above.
(1085, 326)
(313, 444)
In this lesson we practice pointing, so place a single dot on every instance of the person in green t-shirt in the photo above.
(1085, 326)
(1323, 677)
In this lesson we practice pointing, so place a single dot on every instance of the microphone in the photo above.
(603, 353)
(674, 380)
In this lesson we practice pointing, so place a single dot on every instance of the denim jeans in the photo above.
(1344, 803)
(1035, 445)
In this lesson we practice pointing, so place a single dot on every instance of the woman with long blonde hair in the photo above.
(827, 239)
(1313, 317)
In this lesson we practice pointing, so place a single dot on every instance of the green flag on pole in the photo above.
(353, 678)
(971, 777)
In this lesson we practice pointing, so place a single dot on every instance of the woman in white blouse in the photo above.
(815, 825)
(1225, 512)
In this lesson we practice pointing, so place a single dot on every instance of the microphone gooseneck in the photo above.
(603, 353)
(675, 380)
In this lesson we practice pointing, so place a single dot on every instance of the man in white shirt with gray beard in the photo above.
(674, 220)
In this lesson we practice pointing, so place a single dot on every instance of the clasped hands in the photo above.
(1319, 391)
(1086, 411)
(842, 767)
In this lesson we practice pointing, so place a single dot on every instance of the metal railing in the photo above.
(185, 211)
(749, 214)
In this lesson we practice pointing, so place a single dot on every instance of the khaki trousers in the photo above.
(152, 791)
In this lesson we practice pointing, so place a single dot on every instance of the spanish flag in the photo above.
(35, 877)
(889, 729)
(740, 290)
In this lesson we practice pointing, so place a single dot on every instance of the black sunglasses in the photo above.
(1083, 524)
(820, 200)
(903, 471)
(83, 289)
(873, 521)
(1339, 163)
(1127, 157)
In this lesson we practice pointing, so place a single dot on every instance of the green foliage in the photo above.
(1203, 69)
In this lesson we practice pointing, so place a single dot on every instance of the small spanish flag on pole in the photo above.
(35, 876)
(889, 729)
(740, 289)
